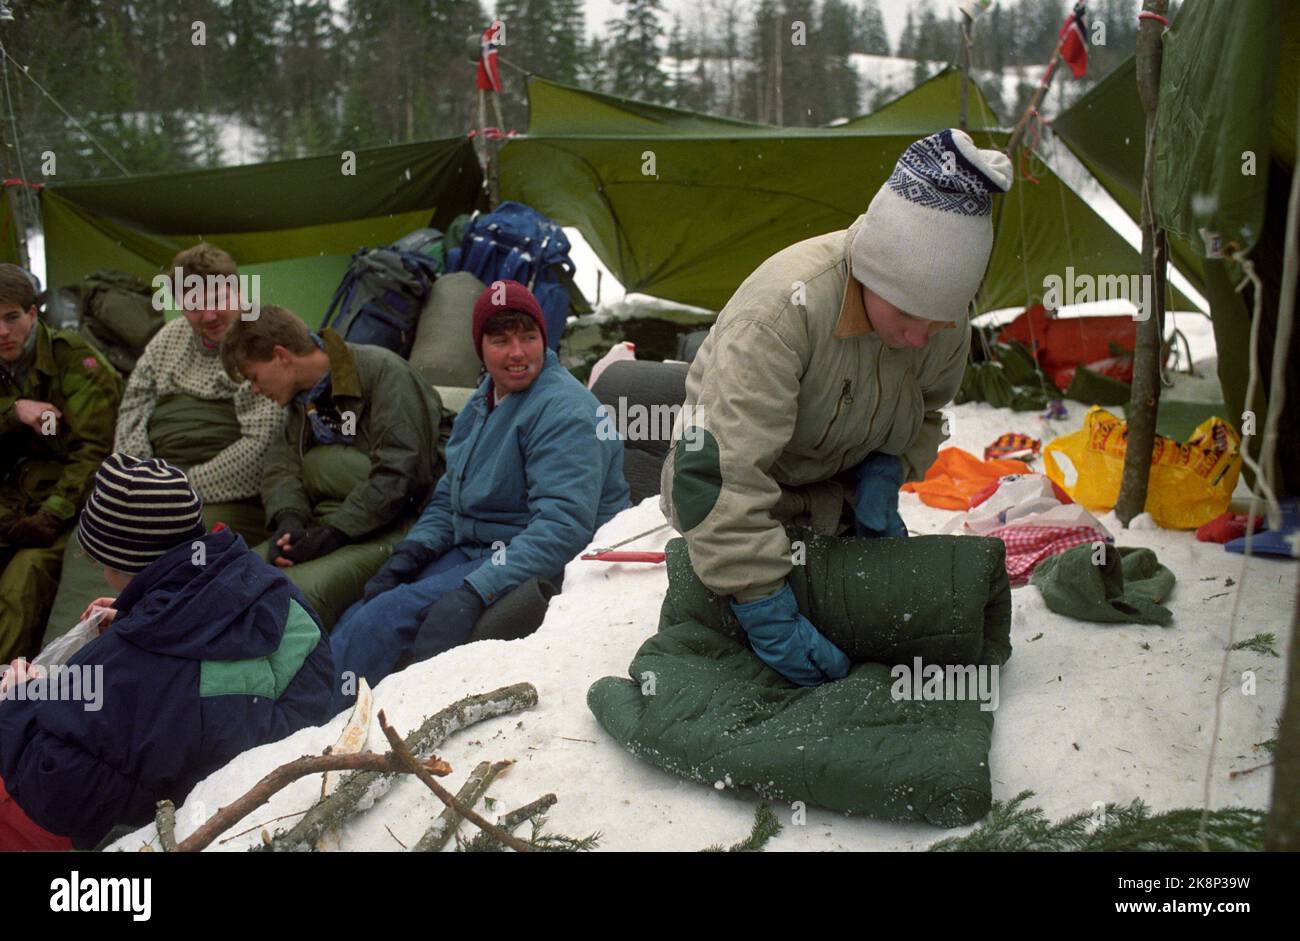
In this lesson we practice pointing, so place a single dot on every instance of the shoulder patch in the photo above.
(90, 363)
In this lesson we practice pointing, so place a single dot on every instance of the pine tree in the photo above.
(872, 38)
(835, 38)
(634, 51)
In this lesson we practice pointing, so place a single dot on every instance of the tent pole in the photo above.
(1043, 85)
(965, 70)
(1144, 401)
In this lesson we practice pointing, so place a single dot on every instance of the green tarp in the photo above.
(295, 223)
(684, 206)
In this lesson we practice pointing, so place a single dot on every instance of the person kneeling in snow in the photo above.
(209, 652)
(528, 483)
(819, 390)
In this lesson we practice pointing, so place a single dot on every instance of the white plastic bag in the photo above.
(62, 648)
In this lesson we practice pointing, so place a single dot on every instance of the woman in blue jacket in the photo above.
(209, 652)
(528, 483)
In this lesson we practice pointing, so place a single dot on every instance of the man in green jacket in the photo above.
(361, 449)
(58, 406)
(822, 382)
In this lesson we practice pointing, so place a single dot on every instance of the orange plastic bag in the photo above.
(1190, 484)
(956, 476)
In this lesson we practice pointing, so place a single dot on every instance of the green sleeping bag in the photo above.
(334, 582)
(701, 705)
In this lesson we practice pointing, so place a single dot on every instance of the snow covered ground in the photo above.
(1088, 712)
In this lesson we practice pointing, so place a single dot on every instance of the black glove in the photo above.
(37, 531)
(407, 561)
(286, 521)
(447, 622)
(308, 544)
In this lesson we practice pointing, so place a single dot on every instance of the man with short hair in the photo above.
(182, 366)
(528, 483)
(58, 400)
(361, 448)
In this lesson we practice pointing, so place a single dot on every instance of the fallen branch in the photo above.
(440, 831)
(285, 775)
(166, 821)
(514, 818)
(360, 790)
(403, 754)
(1233, 775)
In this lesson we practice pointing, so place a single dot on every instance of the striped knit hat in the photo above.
(138, 510)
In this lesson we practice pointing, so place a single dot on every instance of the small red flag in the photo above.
(1074, 41)
(488, 77)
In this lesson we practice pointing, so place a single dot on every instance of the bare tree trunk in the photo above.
(1144, 399)
(1282, 828)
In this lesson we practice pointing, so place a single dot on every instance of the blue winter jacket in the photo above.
(531, 474)
(202, 662)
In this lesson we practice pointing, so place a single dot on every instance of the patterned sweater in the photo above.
(175, 363)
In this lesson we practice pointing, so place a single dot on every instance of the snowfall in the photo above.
(1089, 712)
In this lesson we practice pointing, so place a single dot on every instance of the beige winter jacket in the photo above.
(790, 391)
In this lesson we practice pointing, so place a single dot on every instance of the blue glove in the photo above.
(787, 642)
(875, 506)
(447, 622)
(407, 561)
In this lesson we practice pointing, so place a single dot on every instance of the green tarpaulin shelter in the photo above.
(1225, 153)
(684, 206)
(295, 222)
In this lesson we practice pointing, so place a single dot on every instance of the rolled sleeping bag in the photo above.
(443, 351)
(699, 703)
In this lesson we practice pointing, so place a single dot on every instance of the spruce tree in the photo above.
(634, 51)
(872, 38)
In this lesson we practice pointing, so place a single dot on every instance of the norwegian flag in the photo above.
(1074, 41)
(488, 77)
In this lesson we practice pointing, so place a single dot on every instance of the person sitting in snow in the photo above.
(821, 382)
(528, 483)
(58, 399)
(207, 652)
(360, 449)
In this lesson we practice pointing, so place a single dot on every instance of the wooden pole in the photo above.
(1043, 85)
(1144, 399)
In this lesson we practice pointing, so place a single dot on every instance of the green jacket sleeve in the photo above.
(282, 486)
(403, 452)
(89, 400)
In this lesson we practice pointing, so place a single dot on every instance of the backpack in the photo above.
(381, 294)
(517, 243)
(113, 311)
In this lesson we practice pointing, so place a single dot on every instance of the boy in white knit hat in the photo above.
(821, 383)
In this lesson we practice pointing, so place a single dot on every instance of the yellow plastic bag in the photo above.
(1190, 483)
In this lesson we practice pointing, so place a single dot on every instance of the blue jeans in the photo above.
(372, 637)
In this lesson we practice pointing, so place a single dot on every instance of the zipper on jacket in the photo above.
(845, 397)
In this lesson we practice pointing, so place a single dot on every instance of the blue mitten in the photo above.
(875, 506)
(787, 642)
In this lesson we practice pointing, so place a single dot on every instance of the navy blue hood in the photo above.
(230, 607)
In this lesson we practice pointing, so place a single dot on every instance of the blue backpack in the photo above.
(518, 243)
(384, 289)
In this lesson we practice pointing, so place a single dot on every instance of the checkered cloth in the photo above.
(1029, 545)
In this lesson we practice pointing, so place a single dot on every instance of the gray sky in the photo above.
(894, 11)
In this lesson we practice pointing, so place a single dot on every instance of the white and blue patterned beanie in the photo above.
(924, 241)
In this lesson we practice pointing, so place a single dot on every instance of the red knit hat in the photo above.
(517, 298)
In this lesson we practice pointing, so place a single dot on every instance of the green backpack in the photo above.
(114, 311)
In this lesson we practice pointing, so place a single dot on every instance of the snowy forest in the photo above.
(163, 84)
